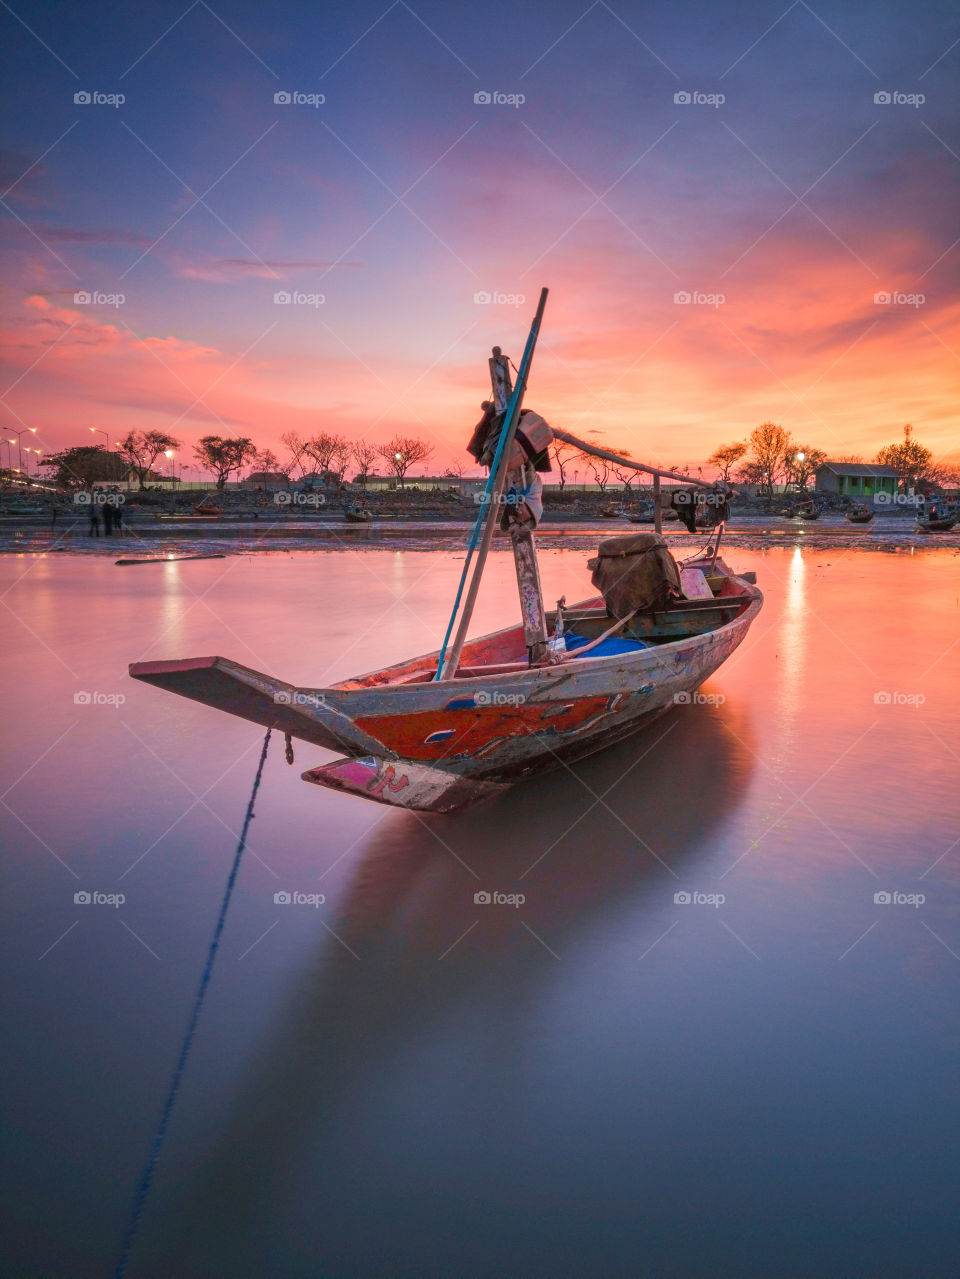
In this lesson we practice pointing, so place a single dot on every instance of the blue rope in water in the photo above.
(147, 1178)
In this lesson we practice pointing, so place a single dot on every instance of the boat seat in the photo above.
(694, 584)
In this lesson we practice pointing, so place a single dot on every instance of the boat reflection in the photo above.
(580, 846)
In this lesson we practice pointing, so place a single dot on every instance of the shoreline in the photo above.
(143, 539)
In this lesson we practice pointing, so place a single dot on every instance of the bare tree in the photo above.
(625, 474)
(800, 462)
(402, 452)
(564, 455)
(768, 448)
(364, 455)
(726, 457)
(910, 459)
(296, 446)
(264, 462)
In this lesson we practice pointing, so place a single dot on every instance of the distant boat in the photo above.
(940, 524)
(357, 514)
(441, 731)
(808, 511)
(860, 514)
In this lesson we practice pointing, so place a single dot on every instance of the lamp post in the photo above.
(99, 431)
(18, 434)
(168, 454)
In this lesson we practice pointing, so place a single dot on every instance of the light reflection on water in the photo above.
(599, 1082)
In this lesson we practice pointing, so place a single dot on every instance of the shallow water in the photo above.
(601, 1081)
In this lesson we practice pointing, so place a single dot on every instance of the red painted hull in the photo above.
(411, 741)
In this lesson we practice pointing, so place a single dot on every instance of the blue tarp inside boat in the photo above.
(608, 648)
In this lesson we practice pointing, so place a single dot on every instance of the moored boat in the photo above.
(939, 524)
(860, 514)
(441, 731)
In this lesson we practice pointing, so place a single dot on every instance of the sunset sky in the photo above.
(785, 208)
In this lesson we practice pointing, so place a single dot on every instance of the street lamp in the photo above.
(99, 431)
(168, 454)
(18, 434)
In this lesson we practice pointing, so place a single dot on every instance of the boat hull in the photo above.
(438, 746)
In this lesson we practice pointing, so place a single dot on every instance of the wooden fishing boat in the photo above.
(210, 511)
(941, 524)
(405, 738)
(357, 514)
(808, 511)
(860, 514)
(441, 731)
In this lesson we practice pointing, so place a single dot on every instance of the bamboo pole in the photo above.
(630, 464)
(494, 492)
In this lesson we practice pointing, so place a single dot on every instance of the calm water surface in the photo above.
(606, 1080)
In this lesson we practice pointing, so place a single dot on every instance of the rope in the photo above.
(146, 1179)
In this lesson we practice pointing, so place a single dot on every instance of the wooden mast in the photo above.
(492, 497)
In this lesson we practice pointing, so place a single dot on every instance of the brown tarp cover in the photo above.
(635, 573)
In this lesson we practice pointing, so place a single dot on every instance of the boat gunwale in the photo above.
(356, 684)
